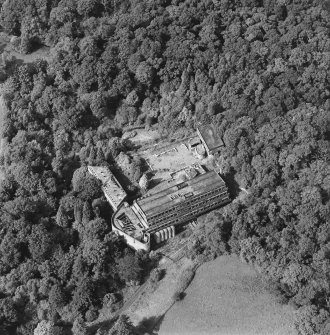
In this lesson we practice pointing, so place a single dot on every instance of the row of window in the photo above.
(188, 216)
(191, 201)
(184, 210)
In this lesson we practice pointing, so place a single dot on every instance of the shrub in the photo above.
(109, 299)
(156, 275)
(183, 282)
(185, 279)
(91, 315)
(178, 296)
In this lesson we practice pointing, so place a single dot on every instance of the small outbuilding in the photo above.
(194, 142)
(210, 138)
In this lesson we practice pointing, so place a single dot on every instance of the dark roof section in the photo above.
(210, 138)
(180, 192)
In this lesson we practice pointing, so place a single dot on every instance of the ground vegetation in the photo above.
(257, 70)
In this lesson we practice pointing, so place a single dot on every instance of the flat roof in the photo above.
(110, 185)
(210, 137)
(180, 192)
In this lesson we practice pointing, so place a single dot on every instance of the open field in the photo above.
(153, 303)
(5, 46)
(227, 297)
(142, 136)
(166, 158)
(174, 158)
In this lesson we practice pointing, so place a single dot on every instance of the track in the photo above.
(174, 256)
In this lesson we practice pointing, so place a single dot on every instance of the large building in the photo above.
(155, 218)
(181, 202)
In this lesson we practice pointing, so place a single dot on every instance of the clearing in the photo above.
(167, 159)
(143, 136)
(6, 46)
(228, 297)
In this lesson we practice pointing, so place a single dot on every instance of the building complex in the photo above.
(157, 216)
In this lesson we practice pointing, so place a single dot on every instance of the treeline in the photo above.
(258, 70)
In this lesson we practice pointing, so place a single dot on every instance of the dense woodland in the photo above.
(257, 69)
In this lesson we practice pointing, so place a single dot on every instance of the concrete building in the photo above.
(194, 142)
(154, 218)
(112, 189)
(182, 202)
(210, 138)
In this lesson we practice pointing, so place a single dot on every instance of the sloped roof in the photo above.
(209, 135)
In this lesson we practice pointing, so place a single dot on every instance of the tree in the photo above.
(89, 7)
(57, 297)
(123, 326)
(87, 213)
(47, 328)
(40, 243)
(144, 73)
(84, 296)
(87, 186)
(100, 157)
(129, 268)
(92, 156)
(61, 217)
(79, 327)
(8, 313)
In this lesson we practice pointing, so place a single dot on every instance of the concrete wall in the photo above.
(164, 234)
(131, 241)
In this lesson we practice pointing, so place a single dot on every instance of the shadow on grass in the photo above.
(150, 325)
(154, 182)
(103, 325)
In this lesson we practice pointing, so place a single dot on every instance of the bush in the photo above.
(109, 299)
(185, 279)
(112, 301)
(178, 296)
(156, 275)
(183, 282)
(91, 315)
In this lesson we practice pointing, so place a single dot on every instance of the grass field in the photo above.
(227, 297)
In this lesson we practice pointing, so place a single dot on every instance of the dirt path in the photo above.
(228, 297)
(153, 304)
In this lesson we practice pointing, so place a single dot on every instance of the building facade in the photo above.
(155, 218)
(182, 202)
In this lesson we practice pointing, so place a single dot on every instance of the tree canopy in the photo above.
(257, 70)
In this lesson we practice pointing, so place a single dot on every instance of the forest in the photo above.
(259, 70)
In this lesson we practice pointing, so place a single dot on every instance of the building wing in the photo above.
(182, 201)
(112, 189)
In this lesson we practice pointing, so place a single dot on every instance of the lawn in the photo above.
(228, 297)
